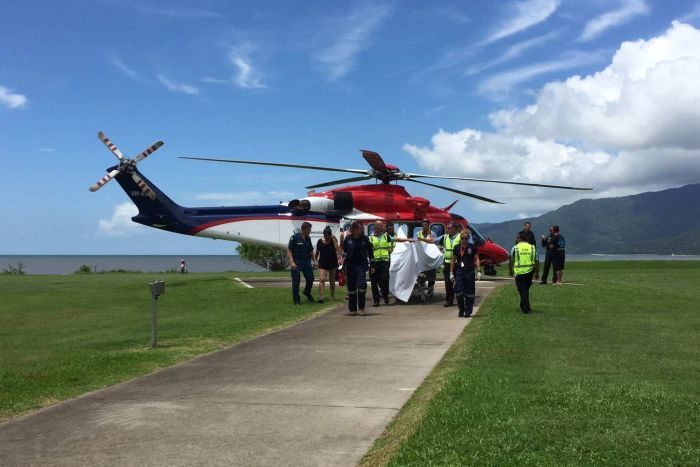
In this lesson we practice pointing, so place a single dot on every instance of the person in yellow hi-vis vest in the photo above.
(382, 245)
(524, 265)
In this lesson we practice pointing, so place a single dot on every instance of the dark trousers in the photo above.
(379, 277)
(548, 257)
(303, 267)
(357, 287)
(465, 289)
(449, 291)
(523, 283)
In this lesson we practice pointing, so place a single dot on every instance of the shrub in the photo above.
(269, 257)
(17, 270)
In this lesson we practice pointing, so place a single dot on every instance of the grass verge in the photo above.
(61, 336)
(602, 373)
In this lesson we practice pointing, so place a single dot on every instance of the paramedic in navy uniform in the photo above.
(300, 253)
(357, 253)
(463, 270)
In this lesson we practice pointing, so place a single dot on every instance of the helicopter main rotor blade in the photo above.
(338, 182)
(374, 160)
(454, 190)
(412, 176)
(278, 164)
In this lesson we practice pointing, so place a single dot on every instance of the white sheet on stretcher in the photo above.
(407, 261)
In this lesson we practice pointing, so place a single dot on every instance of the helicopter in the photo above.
(335, 208)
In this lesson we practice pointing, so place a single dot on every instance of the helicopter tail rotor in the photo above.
(126, 165)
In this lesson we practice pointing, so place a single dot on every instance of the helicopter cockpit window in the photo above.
(438, 230)
(476, 236)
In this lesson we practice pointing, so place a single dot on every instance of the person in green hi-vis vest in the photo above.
(382, 246)
(524, 265)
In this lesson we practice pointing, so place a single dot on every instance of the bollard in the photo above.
(157, 289)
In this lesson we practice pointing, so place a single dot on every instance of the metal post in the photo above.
(154, 321)
(157, 289)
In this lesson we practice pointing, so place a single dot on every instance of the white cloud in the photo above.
(178, 87)
(626, 12)
(527, 13)
(174, 12)
(500, 84)
(247, 76)
(349, 36)
(120, 223)
(46, 149)
(10, 99)
(633, 126)
(211, 80)
(647, 97)
(434, 110)
(125, 69)
(247, 197)
(512, 52)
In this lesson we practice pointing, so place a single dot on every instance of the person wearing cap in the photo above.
(464, 263)
(524, 265)
(426, 235)
(357, 253)
(300, 253)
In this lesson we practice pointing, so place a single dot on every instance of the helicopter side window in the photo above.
(438, 230)
(416, 229)
(402, 228)
(370, 229)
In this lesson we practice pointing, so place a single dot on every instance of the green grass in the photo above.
(61, 336)
(604, 373)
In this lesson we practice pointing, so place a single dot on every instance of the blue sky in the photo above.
(477, 88)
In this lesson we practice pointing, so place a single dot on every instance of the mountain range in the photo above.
(659, 222)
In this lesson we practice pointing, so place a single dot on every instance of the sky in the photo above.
(595, 93)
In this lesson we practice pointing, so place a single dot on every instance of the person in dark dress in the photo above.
(300, 254)
(357, 253)
(548, 245)
(327, 252)
(463, 266)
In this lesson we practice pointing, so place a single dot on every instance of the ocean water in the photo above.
(68, 264)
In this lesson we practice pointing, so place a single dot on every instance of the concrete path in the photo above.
(318, 393)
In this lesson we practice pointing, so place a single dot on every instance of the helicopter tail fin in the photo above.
(155, 208)
(451, 206)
